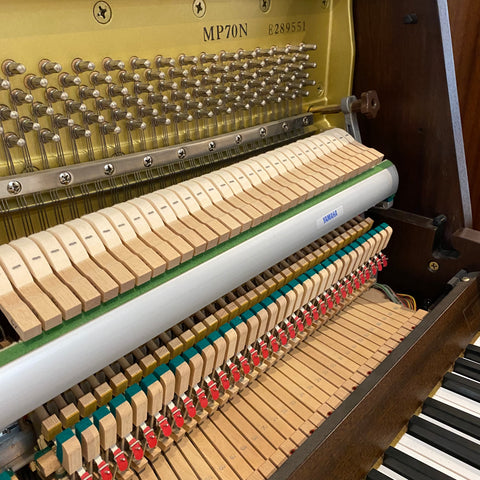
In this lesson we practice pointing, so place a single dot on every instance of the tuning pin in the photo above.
(47, 67)
(136, 124)
(130, 101)
(126, 77)
(143, 88)
(117, 90)
(305, 47)
(11, 68)
(47, 135)
(40, 109)
(154, 75)
(208, 57)
(257, 83)
(306, 65)
(213, 102)
(78, 132)
(209, 80)
(229, 77)
(180, 95)
(187, 60)
(61, 121)
(110, 127)
(241, 106)
(237, 66)
(136, 62)
(73, 106)
(55, 95)
(192, 105)
(190, 83)
(221, 109)
(227, 56)
(167, 86)
(119, 114)
(98, 78)
(154, 98)
(170, 107)
(88, 92)
(147, 111)
(67, 80)
(20, 97)
(301, 57)
(308, 83)
(293, 48)
(182, 117)
(104, 103)
(80, 66)
(156, 121)
(110, 64)
(202, 114)
(219, 68)
(248, 75)
(6, 113)
(231, 97)
(238, 87)
(220, 89)
(201, 92)
(33, 82)
(27, 125)
(92, 117)
(164, 61)
(246, 54)
(13, 140)
(197, 70)
(264, 52)
(176, 72)
(4, 84)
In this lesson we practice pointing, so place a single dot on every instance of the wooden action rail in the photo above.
(182, 336)
(181, 394)
(106, 253)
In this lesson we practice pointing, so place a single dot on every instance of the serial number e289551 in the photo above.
(286, 27)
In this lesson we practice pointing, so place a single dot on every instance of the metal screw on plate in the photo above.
(108, 169)
(465, 279)
(212, 146)
(65, 178)
(147, 161)
(181, 153)
(306, 121)
(102, 12)
(238, 139)
(325, 3)
(433, 266)
(199, 8)
(265, 5)
(14, 187)
(263, 132)
(285, 126)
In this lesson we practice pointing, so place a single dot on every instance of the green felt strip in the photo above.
(19, 349)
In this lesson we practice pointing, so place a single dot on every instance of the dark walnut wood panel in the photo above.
(349, 442)
(404, 63)
(465, 27)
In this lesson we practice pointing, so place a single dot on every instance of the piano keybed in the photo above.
(442, 440)
(156, 406)
(52, 276)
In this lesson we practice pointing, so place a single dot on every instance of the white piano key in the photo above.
(477, 342)
(459, 401)
(390, 473)
(449, 428)
(437, 459)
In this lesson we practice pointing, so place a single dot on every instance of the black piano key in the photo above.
(473, 353)
(410, 467)
(446, 441)
(453, 417)
(376, 475)
(468, 368)
(463, 386)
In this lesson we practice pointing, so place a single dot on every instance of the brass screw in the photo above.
(433, 266)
